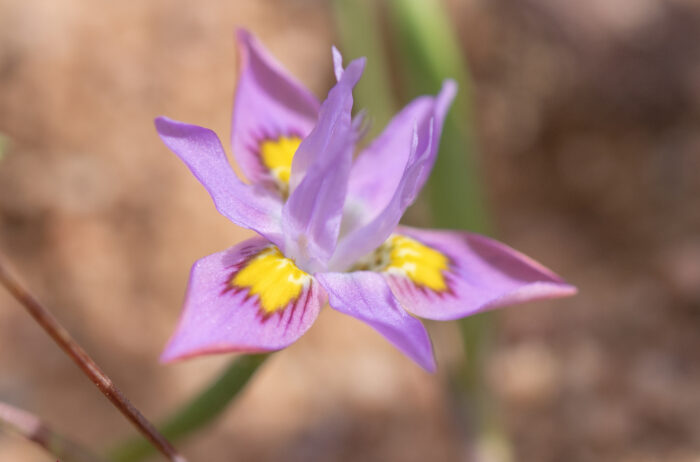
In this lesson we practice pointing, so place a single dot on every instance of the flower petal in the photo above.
(363, 240)
(366, 296)
(446, 275)
(388, 176)
(337, 63)
(312, 214)
(201, 150)
(378, 169)
(245, 299)
(270, 106)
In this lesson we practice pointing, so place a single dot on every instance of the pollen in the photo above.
(277, 156)
(275, 279)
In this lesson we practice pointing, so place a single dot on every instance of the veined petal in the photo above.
(446, 275)
(388, 176)
(272, 113)
(363, 240)
(247, 299)
(378, 169)
(334, 119)
(312, 214)
(200, 149)
(367, 297)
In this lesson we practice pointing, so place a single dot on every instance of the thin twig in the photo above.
(32, 428)
(46, 320)
(200, 411)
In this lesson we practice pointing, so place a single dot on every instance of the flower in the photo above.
(329, 225)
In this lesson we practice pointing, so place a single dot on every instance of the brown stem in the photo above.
(52, 327)
(32, 428)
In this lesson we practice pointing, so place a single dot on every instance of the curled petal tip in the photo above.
(176, 349)
(243, 35)
(171, 128)
(245, 41)
(354, 70)
(565, 290)
(337, 63)
(533, 291)
(172, 352)
(450, 86)
(447, 94)
(167, 357)
(161, 122)
(362, 60)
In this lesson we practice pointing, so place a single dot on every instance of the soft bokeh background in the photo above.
(588, 119)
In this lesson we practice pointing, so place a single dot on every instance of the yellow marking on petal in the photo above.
(404, 256)
(277, 156)
(275, 279)
(422, 264)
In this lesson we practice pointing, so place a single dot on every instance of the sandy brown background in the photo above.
(588, 119)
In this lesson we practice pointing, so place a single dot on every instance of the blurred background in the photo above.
(587, 121)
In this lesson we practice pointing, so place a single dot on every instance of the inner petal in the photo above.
(403, 256)
(273, 278)
(276, 156)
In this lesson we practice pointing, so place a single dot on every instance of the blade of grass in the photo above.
(429, 52)
(360, 35)
(200, 411)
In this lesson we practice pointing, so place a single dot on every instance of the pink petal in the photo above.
(219, 317)
(366, 296)
(337, 63)
(378, 169)
(312, 214)
(269, 103)
(482, 274)
(387, 177)
(200, 149)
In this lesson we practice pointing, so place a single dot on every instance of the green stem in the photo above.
(198, 412)
(429, 52)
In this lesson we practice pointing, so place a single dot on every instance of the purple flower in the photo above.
(329, 225)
